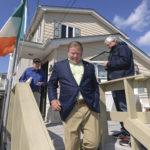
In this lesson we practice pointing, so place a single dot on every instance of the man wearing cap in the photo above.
(36, 77)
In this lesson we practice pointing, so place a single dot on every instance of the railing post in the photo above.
(129, 92)
(131, 108)
(103, 118)
(135, 144)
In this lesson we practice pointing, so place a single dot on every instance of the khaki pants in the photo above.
(82, 119)
(37, 96)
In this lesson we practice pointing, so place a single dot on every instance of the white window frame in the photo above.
(96, 63)
(59, 30)
(38, 35)
(67, 30)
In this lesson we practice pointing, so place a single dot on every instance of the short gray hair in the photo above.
(75, 44)
(110, 39)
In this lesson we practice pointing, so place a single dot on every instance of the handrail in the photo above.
(135, 122)
(25, 127)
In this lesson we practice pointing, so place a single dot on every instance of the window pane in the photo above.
(56, 33)
(56, 25)
(70, 32)
(39, 33)
(77, 32)
(102, 72)
(140, 90)
(63, 31)
(57, 30)
(3, 76)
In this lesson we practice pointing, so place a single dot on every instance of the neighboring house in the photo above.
(3, 77)
(53, 28)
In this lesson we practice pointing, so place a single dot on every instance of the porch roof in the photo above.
(30, 50)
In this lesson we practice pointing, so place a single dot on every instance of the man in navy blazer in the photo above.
(78, 100)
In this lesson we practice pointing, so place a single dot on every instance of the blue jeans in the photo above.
(120, 103)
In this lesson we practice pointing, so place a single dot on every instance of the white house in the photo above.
(53, 28)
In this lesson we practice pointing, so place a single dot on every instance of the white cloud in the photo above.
(144, 40)
(137, 20)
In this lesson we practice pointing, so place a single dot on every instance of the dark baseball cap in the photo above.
(36, 60)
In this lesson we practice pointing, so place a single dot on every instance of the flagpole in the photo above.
(7, 95)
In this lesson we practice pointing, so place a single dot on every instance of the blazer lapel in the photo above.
(85, 65)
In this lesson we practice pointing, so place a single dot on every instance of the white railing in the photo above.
(135, 122)
(25, 128)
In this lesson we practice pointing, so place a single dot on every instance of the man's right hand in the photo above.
(56, 106)
(105, 64)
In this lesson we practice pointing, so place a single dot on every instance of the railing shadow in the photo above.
(57, 141)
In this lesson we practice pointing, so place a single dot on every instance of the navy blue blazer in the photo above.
(69, 88)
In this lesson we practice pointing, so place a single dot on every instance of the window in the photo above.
(98, 61)
(77, 32)
(70, 32)
(136, 68)
(38, 33)
(64, 31)
(57, 27)
(139, 90)
(101, 73)
(3, 77)
(3, 81)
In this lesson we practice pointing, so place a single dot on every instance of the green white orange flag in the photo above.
(13, 29)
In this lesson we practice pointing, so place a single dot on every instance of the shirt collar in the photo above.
(70, 62)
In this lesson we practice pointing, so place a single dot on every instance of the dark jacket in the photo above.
(69, 88)
(120, 62)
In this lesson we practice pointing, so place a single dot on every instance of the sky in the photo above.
(132, 17)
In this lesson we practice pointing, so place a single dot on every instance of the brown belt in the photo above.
(80, 102)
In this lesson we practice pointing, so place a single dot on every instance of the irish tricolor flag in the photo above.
(12, 30)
